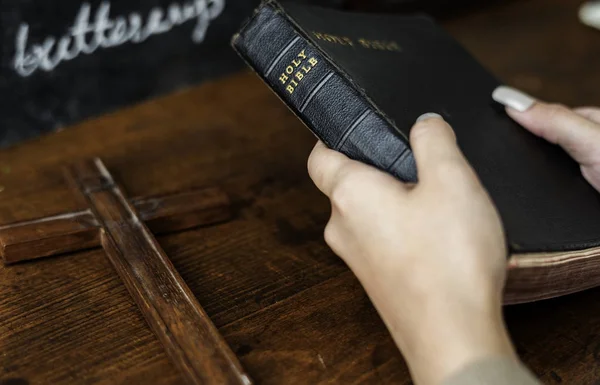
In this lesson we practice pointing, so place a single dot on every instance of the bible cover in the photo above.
(359, 81)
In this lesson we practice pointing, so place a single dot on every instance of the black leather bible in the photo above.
(359, 81)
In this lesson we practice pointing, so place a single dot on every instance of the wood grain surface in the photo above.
(79, 230)
(189, 337)
(289, 308)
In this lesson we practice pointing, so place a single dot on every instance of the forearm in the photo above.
(493, 370)
(446, 351)
(444, 337)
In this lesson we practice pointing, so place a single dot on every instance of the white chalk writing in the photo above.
(86, 36)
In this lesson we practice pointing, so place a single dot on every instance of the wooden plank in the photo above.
(188, 335)
(79, 230)
(185, 210)
(48, 236)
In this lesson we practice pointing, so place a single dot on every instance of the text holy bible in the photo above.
(360, 81)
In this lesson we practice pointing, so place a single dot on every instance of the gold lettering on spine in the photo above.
(295, 73)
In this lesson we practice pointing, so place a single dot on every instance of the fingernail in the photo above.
(513, 98)
(429, 115)
(589, 14)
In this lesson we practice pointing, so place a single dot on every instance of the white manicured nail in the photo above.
(429, 115)
(513, 98)
(589, 14)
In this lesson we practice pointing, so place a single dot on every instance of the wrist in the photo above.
(446, 344)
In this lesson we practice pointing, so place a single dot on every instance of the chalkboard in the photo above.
(62, 61)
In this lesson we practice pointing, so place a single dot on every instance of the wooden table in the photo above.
(284, 302)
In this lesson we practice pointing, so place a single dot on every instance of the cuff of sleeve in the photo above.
(493, 371)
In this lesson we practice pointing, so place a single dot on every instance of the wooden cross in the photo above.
(122, 228)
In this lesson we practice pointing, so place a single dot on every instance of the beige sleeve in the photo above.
(494, 371)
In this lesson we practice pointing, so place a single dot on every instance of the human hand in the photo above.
(577, 131)
(431, 256)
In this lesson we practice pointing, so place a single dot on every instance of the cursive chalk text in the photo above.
(87, 36)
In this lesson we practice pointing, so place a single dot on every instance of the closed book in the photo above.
(359, 81)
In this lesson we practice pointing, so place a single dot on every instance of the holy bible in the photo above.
(359, 81)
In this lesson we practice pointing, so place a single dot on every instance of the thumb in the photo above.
(590, 113)
(577, 135)
(436, 152)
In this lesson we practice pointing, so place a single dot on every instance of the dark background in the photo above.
(110, 78)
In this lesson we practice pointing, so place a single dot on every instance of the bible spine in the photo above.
(320, 94)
